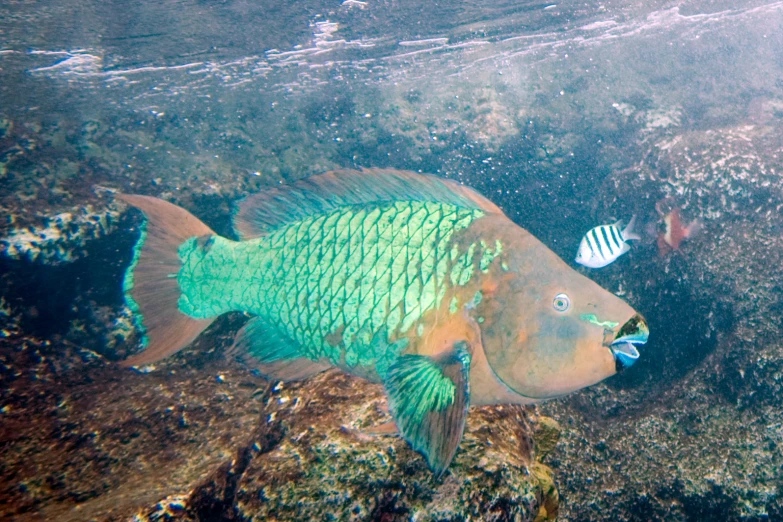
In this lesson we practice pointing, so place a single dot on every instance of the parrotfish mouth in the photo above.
(632, 334)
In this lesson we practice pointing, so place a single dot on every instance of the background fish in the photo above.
(674, 231)
(412, 281)
(603, 244)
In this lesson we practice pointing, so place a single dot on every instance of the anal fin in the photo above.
(275, 355)
(387, 428)
(296, 369)
(429, 399)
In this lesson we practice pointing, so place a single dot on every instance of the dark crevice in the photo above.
(215, 498)
(49, 298)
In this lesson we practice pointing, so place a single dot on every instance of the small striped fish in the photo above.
(605, 243)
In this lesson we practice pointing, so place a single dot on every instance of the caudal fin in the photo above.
(693, 228)
(629, 232)
(150, 286)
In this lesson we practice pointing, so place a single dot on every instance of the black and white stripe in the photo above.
(603, 244)
(605, 241)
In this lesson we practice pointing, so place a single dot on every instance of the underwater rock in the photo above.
(61, 238)
(546, 436)
(316, 459)
(694, 431)
(201, 438)
(429, 114)
(83, 439)
(729, 179)
(58, 177)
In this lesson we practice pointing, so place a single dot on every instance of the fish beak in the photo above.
(632, 334)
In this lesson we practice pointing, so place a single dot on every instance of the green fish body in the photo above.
(345, 287)
(408, 280)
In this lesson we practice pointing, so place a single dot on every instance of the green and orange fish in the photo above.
(409, 280)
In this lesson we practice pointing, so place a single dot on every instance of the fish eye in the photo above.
(561, 303)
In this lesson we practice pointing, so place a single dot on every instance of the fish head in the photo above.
(553, 330)
(584, 256)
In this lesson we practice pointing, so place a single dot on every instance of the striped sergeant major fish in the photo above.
(602, 245)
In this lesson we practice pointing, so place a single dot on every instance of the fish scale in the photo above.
(355, 276)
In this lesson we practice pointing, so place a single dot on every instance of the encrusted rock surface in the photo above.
(683, 113)
(693, 432)
(195, 438)
(325, 465)
(206, 440)
(58, 179)
(83, 439)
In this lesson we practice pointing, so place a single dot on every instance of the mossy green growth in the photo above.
(546, 436)
(127, 285)
(550, 504)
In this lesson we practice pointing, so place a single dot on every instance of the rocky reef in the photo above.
(314, 459)
(196, 437)
(206, 440)
(693, 432)
(706, 445)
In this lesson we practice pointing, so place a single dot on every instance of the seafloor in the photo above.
(694, 431)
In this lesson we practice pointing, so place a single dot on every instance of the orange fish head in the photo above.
(553, 331)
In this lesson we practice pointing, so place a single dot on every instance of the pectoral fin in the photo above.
(429, 398)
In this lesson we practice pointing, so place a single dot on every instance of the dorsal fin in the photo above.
(263, 212)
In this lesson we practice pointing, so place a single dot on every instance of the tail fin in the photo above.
(150, 285)
(693, 228)
(629, 232)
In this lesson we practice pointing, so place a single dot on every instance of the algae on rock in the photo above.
(323, 464)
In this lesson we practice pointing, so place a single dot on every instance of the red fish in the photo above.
(675, 232)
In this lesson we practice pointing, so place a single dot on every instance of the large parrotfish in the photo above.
(409, 280)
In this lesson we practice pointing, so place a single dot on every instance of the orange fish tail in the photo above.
(150, 286)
